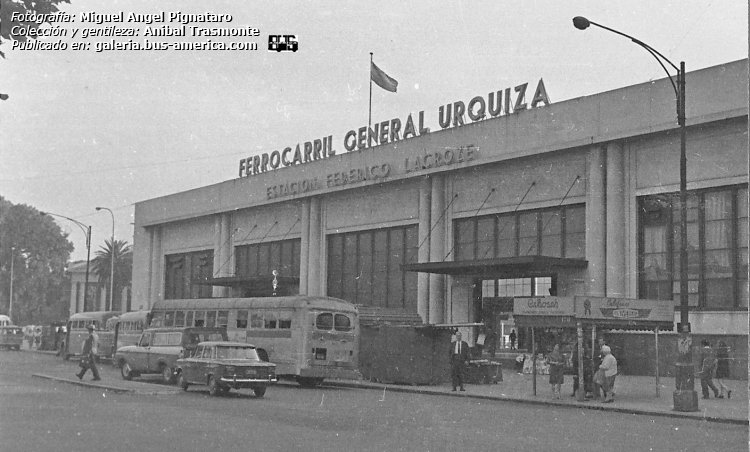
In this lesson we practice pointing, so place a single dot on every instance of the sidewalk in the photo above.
(634, 394)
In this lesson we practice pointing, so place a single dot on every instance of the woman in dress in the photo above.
(722, 369)
(556, 365)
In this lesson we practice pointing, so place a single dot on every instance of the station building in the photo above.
(510, 197)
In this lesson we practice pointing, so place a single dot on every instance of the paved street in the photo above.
(47, 414)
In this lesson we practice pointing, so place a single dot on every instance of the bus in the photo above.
(77, 333)
(128, 328)
(308, 338)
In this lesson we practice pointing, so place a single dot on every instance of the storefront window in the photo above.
(364, 267)
(717, 248)
(560, 231)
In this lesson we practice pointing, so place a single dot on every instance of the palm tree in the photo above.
(123, 271)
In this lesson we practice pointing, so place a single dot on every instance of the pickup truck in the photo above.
(158, 350)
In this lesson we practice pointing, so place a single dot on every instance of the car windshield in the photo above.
(236, 353)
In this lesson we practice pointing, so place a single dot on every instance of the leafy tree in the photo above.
(40, 252)
(123, 257)
(38, 7)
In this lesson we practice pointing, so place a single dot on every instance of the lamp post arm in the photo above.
(655, 53)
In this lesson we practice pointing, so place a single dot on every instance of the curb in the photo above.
(103, 386)
(616, 409)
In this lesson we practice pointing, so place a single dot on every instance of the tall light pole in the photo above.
(87, 231)
(685, 397)
(111, 260)
(10, 304)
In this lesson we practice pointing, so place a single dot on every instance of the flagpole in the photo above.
(369, 112)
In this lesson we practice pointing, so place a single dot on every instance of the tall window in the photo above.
(184, 271)
(557, 232)
(717, 248)
(261, 259)
(364, 267)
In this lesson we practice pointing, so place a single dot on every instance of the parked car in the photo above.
(11, 337)
(226, 365)
(158, 350)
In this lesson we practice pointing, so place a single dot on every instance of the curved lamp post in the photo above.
(87, 232)
(684, 375)
(10, 303)
(111, 261)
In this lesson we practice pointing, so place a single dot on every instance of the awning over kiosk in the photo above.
(499, 267)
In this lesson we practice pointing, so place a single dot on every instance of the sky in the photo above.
(83, 129)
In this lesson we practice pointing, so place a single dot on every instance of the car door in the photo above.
(190, 365)
(201, 365)
(138, 358)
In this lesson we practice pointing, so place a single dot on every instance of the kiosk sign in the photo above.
(547, 306)
(624, 309)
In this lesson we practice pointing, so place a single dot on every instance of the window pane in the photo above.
(485, 238)
(342, 323)
(364, 276)
(324, 321)
(256, 320)
(210, 319)
(335, 265)
(395, 275)
(349, 270)
(506, 236)
(464, 239)
(380, 268)
(179, 318)
(527, 233)
(242, 319)
(551, 234)
(411, 234)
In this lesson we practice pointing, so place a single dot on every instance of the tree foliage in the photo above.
(40, 251)
(38, 7)
(123, 258)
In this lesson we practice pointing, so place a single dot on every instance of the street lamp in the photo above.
(10, 304)
(684, 375)
(87, 231)
(111, 260)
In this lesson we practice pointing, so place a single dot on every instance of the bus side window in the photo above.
(242, 319)
(145, 340)
(256, 320)
(342, 323)
(169, 318)
(157, 320)
(285, 323)
(324, 321)
(222, 319)
(179, 318)
(189, 318)
(270, 320)
(211, 319)
(200, 317)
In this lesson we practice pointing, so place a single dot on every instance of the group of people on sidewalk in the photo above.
(598, 381)
(714, 364)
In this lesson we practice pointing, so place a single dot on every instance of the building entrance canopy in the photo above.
(499, 267)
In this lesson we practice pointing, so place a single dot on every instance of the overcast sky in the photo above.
(83, 128)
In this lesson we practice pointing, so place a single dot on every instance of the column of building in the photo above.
(155, 270)
(437, 248)
(616, 220)
(223, 252)
(596, 223)
(423, 253)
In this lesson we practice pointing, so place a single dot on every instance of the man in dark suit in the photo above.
(459, 356)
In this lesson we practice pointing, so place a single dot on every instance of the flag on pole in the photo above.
(382, 79)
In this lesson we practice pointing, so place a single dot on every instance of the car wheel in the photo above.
(213, 387)
(260, 391)
(167, 375)
(126, 371)
(182, 382)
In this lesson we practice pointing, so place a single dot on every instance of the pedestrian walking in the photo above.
(556, 367)
(722, 369)
(609, 369)
(459, 354)
(88, 355)
(512, 339)
(708, 370)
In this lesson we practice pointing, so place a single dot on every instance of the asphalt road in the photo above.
(44, 415)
